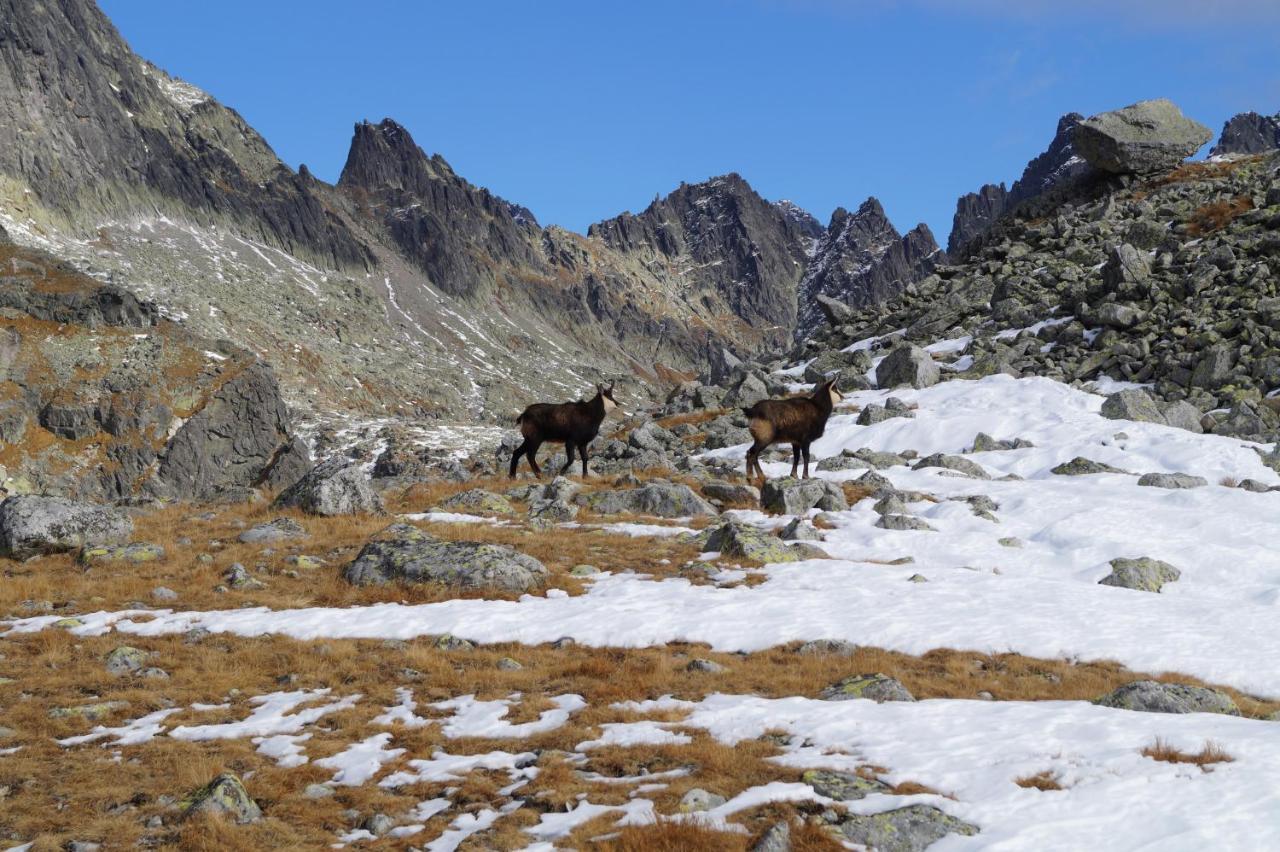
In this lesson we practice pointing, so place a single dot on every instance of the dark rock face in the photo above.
(863, 260)
(1058, 165)
(116, 134)
(748, 251)
(233, 442)
(1248, 133)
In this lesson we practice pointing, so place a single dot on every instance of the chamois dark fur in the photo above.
(575, 424)
(799, 421)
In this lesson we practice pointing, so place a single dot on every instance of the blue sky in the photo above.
(580, 110)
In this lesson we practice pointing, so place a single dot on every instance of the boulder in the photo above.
(837, 312)
(747, 392)
(32, 525)
(660, 499)
(1172, 480)
(777, 838)
(789, 496)
(224, 796)
(731, 492)
(743, 541)
(124, 554)
(126, 660)
(281, 529)
(1125, 270)
(1081, 466)
(1182, 415)
(839, 647)
(910, 829)
(1132, 404)
(1144, 574)
(478, 500)
(1149, 696)
(338, 486)
(844, 786)
(404, 553)
(959, 464)
(907, 365)
(800, 529)
(903, 523)
(1149, 136)
(875, 687)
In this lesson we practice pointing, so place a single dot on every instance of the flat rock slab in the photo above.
(789, 496)
(1172, 480)
(1149, 696)
(280, 529)
(659, 499)
(1148, 136)
(910, 829)
(404, 553)
(747, 542)
(875, 687)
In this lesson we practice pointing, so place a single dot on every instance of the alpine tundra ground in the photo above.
(674, 698)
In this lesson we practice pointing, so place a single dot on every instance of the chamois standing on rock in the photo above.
(799, 421)
(576, 424)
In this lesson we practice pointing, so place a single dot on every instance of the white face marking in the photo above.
(609, 405)
(835, 395)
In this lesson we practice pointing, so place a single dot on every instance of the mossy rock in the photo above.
(137, 553)
(910, 829)
(224, 796)
(478, 500)
(874, 687)
(845, 786)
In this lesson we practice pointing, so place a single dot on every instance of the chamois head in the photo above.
(828, 388)
(606, 396)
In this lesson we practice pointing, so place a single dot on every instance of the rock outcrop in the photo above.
(403, 553)
(1146, 137)
(1248, 133)
(33, 525)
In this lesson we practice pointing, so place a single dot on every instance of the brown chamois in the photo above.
(799, 421)
(576, 424)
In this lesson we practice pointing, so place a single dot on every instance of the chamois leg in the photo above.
(582, 451)
(568, 451)
(795, 460)
(532, 455)
(515, 457)
(753, 460)
(805, 450)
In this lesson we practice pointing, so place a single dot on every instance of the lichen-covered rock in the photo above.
(910, 829)
(126, 659)
(129, 554)
(91, 712)
(478, 500)
(1132, 404)
(224, 796)
(1081, 466)
(403, 553)
(731, 492)
(875, 687)
(1145, 137)
(1144, 574)
(840, 647)
(799, 529)
(907, 365)
(1172, 480)
(32, 525)
(777, 838)
(335, 487)
(1149, 696)
(280, 529)
(660, 499)
(845, 786)
(698, 800)
(789, 496)
(903, 523)
(959, 464)
(743, 541)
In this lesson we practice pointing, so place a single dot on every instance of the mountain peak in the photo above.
(384, 156)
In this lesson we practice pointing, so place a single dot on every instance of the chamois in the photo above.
(574, 423)
(799, 421)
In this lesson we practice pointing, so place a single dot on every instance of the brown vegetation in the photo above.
(1216, 215)
(1209, 754)
(1047, 780)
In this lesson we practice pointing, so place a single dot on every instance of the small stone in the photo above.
(1080, 466)
(318, 791)
(306, 563)
(838, 647)
(904, 523)
(153, 672)
(126, 659)
(698, 800)
(378, 824)
(453, 643)
(164, 593)
(584, 570)
(509, 665)
(704, 666)
(917, 578)
(1010, 541)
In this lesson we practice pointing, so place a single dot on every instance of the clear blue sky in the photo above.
(580, 110)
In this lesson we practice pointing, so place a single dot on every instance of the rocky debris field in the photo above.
(994, 616)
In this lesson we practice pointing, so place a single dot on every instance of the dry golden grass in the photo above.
(1217, 215)
(1046, 780)
(54, 668)
(1208, 755)
(1201, 171)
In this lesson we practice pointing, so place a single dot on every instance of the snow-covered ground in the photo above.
(1042, 599)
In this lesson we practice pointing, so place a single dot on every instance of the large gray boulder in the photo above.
(1172, 480)
(1149, 696)
(907, 365)
(743, 541)
(338, 486)
(241, 438)
(404, 553)
(910, 829)
(789, 496)
(660, 499)
(1149, 136)
(32, 525)
(1132, 404)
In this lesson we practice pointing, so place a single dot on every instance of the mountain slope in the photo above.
(863, 260)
